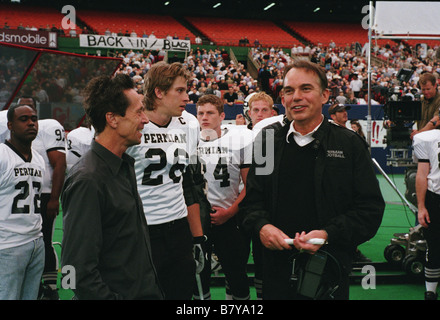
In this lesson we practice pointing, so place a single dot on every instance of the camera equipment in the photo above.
(402, 111)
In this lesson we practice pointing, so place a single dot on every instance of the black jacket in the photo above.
(349, 202)
(106, 236)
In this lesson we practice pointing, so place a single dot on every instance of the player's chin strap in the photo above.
(312, 275)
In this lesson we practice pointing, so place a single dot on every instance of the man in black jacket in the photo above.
(106, 238)
(322, 185)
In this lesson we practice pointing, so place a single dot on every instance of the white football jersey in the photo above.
(223, 159)
(427, 149)
(4, 131)
(50, 137)
(268, 121)
(160, 160)
(78, 142)
(20, 189)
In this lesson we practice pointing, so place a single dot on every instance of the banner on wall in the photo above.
(29, 38)
(117, 42)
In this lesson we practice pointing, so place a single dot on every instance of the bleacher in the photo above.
(228, 32)
(162, 26)
(30, 16)
(323, 32)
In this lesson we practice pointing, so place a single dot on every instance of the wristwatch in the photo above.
(433, 122)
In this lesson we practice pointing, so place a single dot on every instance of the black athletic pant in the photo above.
(232, 249)
(50, 262)
(432, 237)
(172, 246)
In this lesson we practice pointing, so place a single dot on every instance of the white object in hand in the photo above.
(311, 241)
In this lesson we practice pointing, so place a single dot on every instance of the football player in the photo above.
(426, 150)
(165, 184)
(21, 180)
(226, 155)
(50, 144)
(77, 143)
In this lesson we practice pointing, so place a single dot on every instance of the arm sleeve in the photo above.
(253, 209)
(82, 239)
(360, 221)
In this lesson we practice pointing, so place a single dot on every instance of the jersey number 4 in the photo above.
(220, 172)
(23, 195)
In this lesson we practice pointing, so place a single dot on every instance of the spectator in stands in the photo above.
(193, 95)
(341, 98)
(222, 85)
(364, 100)
(356, 126)
(338, 113)
(213, 89)
(351, 99)
(356, 85)
(230, 97)
(264, 77)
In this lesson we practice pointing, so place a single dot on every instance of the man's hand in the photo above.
(423, 217)
(300, 241)
(273, 238)
(53, 208)
(220, 216)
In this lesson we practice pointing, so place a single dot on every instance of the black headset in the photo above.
(316, 276)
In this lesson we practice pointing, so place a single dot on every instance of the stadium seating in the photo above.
(29, 16)
(324, 32)
(228, 32)
(162, 26)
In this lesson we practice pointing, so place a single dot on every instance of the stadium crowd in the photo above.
(346, 67)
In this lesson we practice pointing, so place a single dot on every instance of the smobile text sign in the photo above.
(36, 39)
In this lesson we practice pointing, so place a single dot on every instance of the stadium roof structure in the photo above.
(310, 10)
